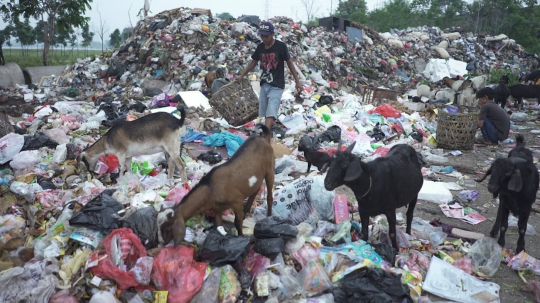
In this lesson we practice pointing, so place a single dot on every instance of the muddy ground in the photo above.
(469, 163)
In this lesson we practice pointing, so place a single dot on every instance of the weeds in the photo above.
(56, 57)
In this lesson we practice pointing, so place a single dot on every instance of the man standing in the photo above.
(493, 120)
(2, 59)
(272, 54)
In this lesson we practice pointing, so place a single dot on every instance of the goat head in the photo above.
(342, 167)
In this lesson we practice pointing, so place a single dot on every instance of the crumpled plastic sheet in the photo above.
(33, 283)
(232, 142)
(100, 214)
(144, 223)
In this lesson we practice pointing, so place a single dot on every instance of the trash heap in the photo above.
(70, 234)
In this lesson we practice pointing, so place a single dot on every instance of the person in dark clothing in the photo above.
(2, 59)
(493, 121)
(272, 54)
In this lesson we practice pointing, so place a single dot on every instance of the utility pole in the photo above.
(266, 9)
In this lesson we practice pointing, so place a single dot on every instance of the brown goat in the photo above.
(153, 133)
(209, 78)
(226, 186)
(456, 84)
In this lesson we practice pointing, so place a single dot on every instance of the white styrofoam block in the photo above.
(434, 192)
(414, 105)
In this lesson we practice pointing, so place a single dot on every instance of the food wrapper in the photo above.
(523, 261)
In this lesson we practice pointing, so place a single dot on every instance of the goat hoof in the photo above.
(493, 234)
(520, 249)
(501, 243)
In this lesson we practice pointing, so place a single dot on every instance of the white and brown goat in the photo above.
(153, 133)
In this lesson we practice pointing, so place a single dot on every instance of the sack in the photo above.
(219, 250)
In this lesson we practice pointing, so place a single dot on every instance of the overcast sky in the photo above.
(115, 12)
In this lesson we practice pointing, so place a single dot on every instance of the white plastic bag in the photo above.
(60, 154)
(10, 145)
(513, 221)
(25, 159)
(57, 135)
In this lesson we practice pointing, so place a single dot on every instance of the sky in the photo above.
(114, 13)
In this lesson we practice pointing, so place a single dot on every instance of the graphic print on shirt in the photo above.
(269, 62)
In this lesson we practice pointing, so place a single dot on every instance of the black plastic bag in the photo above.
(417, 136)
(325, 100)
(386, 251)
(374, 285)
(100, 100)
(376, 133)
(244, 277)
(144, 224)
(152, 91)
(275, 227)
(278, 130)
(333, 133)
(219, 250)
(158, 25)
(111, 111)
(47, 185)
(269, 248)
(137, 106)
(211, 156)
(100, 214)
(38, 141)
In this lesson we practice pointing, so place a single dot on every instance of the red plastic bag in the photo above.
(130, 250)
(63, 297)
(387, 111)
(177, 194)
(111, 161)
(175, 270)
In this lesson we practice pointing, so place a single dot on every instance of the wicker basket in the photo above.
(236, 102)
(378, 93)
(457, 131)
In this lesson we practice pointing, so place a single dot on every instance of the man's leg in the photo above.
(263, 100)
(274, 100)
(489, 132)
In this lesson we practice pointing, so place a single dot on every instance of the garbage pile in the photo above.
(84, 234)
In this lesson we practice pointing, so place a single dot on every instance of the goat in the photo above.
(501, 91)
(446, 94)
(423, 91)
(466, 96)
(153, 133)
(520, 91)
(380, 186)
(515, 180)
(226, 186)
(532, 77)
(213, 75)
(319, 159)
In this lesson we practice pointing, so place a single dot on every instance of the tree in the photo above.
(87, 36)
(102, 28)
(116, 39)
(126, 33)
(311, 9)
(5, 35)
(54, 13)
(347, 8)
(391, 16)
(225, 16)
(24, 34)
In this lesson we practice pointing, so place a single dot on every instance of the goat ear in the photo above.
(354, 170)
(516, 160)
(350, 148)
(515, 182)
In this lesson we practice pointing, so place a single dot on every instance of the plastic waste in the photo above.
(175, 270)
(144, 223)
(211, 156)
(177, 194)
(436, 159)
(518, 117)
(63, 297)
(25, 159)
(219, 250)
(210, 288)
(143, 269)
(269, 248)
(468, 195)
(123, 249)
(57, 135)
(486, 256)
(313, 278)
(449, 282)
(425, 231)
(60, 154)
(38, 141)
(10, 145)
(28, 191)
(275, 227)
(101, 213)
(387, 111)
(513, 221)
(103, 297)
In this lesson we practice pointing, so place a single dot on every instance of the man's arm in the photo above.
(299, 86)
(249, 68)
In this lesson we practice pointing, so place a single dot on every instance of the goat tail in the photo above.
(183, 115)
(520, 140)
(265, 132)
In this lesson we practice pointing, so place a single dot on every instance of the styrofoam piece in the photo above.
(414, 105)
(434, 192)
(449, 282)
(195, 99)
(436, 69)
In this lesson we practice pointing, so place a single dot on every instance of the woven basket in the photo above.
(457, 131)
(236, 102)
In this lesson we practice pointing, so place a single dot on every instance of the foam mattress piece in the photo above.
(434, 192)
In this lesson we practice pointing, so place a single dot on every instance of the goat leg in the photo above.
(249, 203)
(308, 166)
(410, 212)
(391, 217)
(269, 179)
(497, 225)
(239, 216)
(504, 225)
(522, 228)
(365, 223)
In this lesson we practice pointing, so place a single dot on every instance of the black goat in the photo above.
(501, 91)
(319, 159)
(380, 186)
(520, 91)
(532, 77)
(515, 180)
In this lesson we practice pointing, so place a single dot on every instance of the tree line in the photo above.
(518, 19)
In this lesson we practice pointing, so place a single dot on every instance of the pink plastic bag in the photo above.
(177, 194)
(387, 111)
(176, 272)
(130, 250)
(382, 151)
(62, 297)
(255, 263)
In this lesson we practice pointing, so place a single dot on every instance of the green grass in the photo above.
(34, 57)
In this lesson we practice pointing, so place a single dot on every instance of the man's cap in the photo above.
(266, 28)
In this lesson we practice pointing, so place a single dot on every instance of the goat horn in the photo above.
(517, 160)
(485, 176)
(339, 146)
